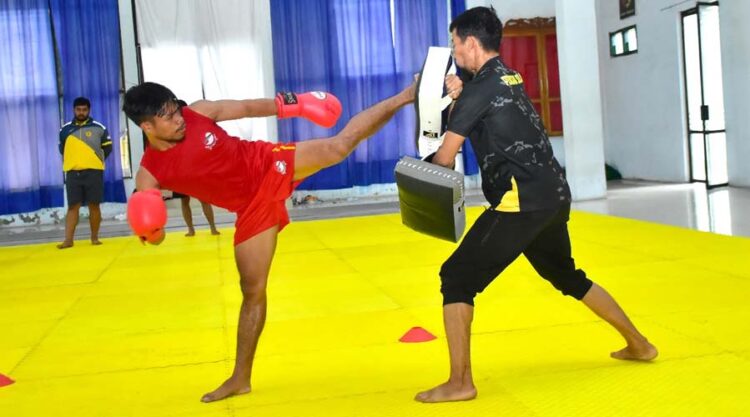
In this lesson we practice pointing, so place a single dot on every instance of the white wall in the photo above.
(644, 118)
(735, 48)
(515, 9)
(643, 105)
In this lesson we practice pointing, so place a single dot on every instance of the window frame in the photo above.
(622, 33)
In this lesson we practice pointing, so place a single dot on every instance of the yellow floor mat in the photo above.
(128, 330)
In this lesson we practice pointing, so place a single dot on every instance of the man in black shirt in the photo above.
(528, 194)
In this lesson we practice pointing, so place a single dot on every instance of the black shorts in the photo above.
(84, 186)
(497, 238)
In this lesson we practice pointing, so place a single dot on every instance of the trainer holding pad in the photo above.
(529, 201)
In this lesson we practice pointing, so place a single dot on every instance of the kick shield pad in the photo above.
(432, 100)
(431, 198)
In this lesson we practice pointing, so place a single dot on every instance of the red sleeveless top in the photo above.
(210, 165)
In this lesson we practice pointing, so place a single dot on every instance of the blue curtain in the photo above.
(88, 39)
(30, 164)
(418, 25)
(349, 53)
(457, 7)
(357, 58)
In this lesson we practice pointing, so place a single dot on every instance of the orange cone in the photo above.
(4, 380)
(416, 335)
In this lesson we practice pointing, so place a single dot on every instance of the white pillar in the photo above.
(580, 90)
(130, 70)
(735, 60)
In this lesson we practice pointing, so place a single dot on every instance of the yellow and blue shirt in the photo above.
(84, 145)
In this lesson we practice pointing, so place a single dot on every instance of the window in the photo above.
(529, 46)
(623, 42)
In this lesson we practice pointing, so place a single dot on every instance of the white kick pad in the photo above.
(432, 101)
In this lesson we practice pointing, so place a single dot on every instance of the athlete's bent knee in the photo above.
(455, 290)
(575, 284)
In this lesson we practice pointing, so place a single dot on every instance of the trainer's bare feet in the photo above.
(215, 232)
(229, 388)
(643, 351)
(65, 245)
(448, 392)
(96, 242)
(190, 233)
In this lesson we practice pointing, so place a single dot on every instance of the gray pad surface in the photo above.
(431, 198)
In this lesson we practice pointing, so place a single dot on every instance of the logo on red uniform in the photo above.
(209, 140)
(280, 167)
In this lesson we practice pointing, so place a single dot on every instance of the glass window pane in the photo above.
(713, 88)
(698, 156)
(692, 72)
(616, 44)
(631, 40)
(716, 144)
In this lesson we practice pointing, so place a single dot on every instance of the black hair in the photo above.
(81, 101)
(144, 101)
(481, 23)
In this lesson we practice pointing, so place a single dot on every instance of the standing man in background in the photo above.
(84, 145)
(187, 214)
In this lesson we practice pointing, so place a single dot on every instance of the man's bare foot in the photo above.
(190, 233)
(96, 242)
(644, 351)
(447, 392)
(229, 388)
(65, 245)
(215, 232)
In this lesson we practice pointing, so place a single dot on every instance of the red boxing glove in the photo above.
(147, 215)
(323, 109)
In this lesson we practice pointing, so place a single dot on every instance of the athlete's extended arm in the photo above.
(320, 108)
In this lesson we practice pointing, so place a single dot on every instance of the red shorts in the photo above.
(268, 208)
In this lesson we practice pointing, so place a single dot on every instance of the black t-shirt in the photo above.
(514, 154)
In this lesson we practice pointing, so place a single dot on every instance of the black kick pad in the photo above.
(431, 198)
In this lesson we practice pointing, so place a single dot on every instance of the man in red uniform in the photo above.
(190, 154)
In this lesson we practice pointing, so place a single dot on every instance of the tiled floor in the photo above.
(128, 330)
(723, 210)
